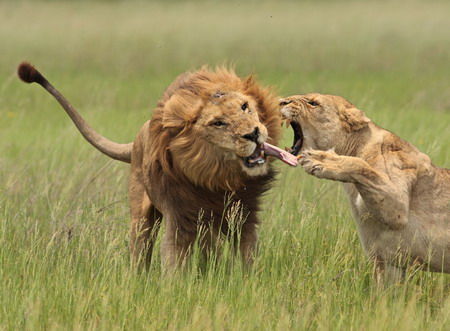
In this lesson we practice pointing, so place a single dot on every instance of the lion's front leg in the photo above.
(247, 243)
(177, 244)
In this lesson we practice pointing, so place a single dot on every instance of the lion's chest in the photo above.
(193, 205)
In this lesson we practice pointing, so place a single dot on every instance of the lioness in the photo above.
(204, 145)
(400, 200)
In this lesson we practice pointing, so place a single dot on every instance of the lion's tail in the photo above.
(121, 152)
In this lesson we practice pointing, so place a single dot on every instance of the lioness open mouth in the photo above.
(298, 138)
(257, 158)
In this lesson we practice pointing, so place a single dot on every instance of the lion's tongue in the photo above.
(284, 156)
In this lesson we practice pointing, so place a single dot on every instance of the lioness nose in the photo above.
(252, 136)
(284, 102)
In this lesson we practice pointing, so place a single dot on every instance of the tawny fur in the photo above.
(188, 170)
(187, 167)
(400, 200)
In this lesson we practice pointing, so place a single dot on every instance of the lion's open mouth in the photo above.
(298, 137)
(257, 158)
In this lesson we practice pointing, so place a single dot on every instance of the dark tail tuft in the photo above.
(29, 74)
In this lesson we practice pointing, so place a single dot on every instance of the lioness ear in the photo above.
(353, 119)
(180, 110)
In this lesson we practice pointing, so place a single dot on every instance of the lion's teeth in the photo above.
(287, 122)
(259, 160)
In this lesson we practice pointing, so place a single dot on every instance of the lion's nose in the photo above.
(252, 136)
(284, 102)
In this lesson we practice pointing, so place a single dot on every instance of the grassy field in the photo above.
(64, 216)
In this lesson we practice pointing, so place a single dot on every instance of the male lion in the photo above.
(400, 200)
(202, 151)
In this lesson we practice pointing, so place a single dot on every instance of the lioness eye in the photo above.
(244, 106)
(313, 103)
(219, 123)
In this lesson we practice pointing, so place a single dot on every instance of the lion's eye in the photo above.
(244, 106)
(313, 103)
(219, 123)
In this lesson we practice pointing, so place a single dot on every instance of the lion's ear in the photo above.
(249, 82)
(179, 110)
(353, 119)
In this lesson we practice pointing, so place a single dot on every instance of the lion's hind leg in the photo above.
(144, 229)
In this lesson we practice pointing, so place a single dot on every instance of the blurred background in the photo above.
(63, 206)
(120, 55)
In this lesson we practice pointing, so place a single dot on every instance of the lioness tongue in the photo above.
(284, 156)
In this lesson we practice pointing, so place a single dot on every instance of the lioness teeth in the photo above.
(287, 123)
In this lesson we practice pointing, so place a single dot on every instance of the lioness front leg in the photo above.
(329, 165)
(387, 200)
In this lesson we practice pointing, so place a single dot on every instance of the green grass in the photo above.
(64, 260)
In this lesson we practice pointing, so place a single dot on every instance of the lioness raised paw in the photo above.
(322, 164)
